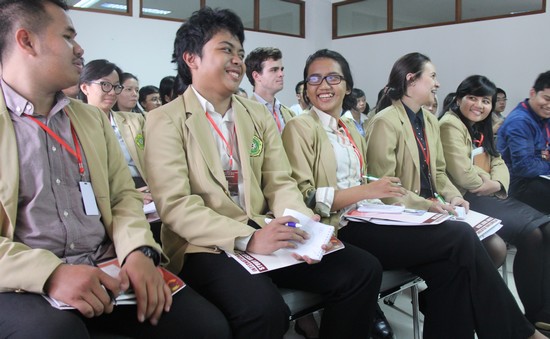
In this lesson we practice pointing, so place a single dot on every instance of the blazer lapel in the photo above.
(129, 134)
(199, 129)
(245, 130)
(327, 159)
(9, 168)
(408, 134)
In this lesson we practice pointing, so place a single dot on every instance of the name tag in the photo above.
(232, 177)
(88, 198)
(477, 151)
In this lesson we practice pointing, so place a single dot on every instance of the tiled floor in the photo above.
(400, 316)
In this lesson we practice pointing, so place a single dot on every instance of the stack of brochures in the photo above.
(319, 234)
(112, 268)
(483, 225)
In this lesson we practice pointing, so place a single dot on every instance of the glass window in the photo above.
(408, 13)
(243, 8)
(361, 17)
(282, 16)
(110, 6)
(475, 9)
(169, 9)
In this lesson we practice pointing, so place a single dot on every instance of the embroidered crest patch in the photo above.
(140, 142)
(256, 147)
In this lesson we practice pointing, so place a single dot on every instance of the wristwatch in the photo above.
(149, 253)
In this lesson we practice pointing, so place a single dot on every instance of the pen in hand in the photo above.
(289, 224)
(441, 200)
(373, 178)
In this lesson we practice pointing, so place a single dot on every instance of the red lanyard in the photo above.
(76, 152)
(228, 147)
(277, 120)
(479, 142)
(425, 152)
(355, 148)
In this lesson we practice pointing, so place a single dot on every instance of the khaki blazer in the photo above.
(392, 151)
(188, 184)
(120, 205)
(457, 147)
(286, 112)
(311, 156)
(131, 127)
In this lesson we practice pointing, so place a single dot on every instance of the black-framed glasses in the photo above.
(332, 79)
(107, 86)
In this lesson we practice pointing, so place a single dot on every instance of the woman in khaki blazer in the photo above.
(100, 87)
(476, 168)
(327, 159)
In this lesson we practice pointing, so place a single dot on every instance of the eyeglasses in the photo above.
(107, 86)
(332, 79)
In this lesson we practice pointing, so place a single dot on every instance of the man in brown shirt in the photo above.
(67, 201)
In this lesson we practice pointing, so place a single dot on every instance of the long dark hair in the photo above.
(396, 87)
(479, 86)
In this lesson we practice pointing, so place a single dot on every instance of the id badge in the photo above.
(545, 154)
(88, 198)
(232, 177)
(477, 151)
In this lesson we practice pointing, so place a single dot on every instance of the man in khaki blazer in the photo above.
(50, 235)
(392, 151)
(265, 71)
(216, 168)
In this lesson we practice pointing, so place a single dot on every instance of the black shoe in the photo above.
(381, 328)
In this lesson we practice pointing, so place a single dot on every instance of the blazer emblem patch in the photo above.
(140, 142)
(256, 147)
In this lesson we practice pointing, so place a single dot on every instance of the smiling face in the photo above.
(96, 96)
(475, 108)
(327, 98)
(540, 102)
(128, 98)
(423, 88)
(219, 71)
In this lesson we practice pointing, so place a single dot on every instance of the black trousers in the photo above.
(349, 279)
(534, 192)
(465, 292)
(29, 315)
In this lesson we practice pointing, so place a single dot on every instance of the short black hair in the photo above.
(28, 13)
(501, 91)
(542, 82)
(298, 85)
(198, 30)
(166, 87)
(255, 60)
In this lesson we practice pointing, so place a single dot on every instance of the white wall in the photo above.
(511, 52)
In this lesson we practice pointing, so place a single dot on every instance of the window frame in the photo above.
(129, 9)
(458, 18)
(256, 11)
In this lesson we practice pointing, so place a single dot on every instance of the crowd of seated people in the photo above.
(221, 170)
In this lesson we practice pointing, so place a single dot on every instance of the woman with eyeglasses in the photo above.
(127, 99)
(477, 170)
(149, 98)
(100, 86)
(328, 158)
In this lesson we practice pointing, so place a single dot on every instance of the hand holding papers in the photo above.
(319, 234)
(112, 268)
